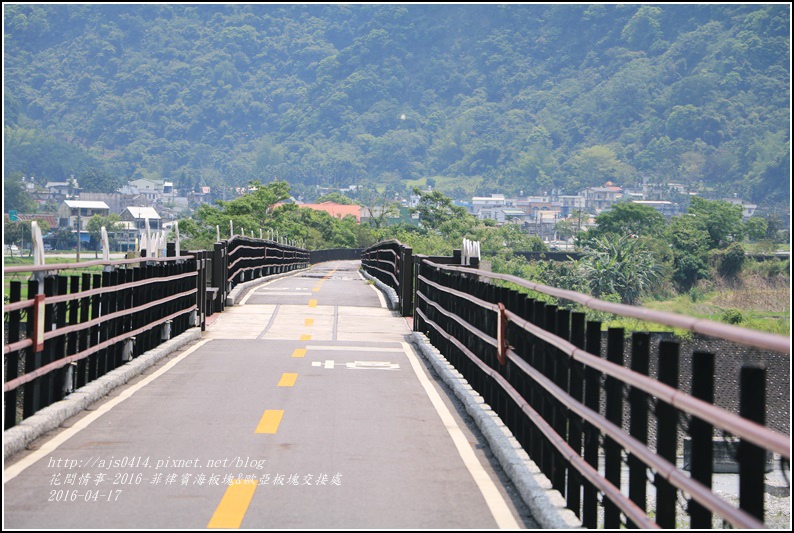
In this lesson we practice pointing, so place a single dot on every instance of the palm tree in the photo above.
(619, 265)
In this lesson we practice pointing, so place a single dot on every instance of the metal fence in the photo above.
(392, 263)
(582, 417)
(581, 404)
(250, 258)
(69, 324)
(80, 321)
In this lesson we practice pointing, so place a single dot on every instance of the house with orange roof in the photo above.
(334, 209)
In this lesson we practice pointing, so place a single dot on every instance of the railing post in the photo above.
(666, 435)
(94, 335)
(537, 400)
(561, 416)
(48, 355)
(638, 419)
(31, 395)
(576, 390)
(592, 400)
(12, 359)
(614, 413)
(702, 457)
(549, 403)
(219, 273)
(407, 281)
(104, 330)
(201, 280)
(752, 458)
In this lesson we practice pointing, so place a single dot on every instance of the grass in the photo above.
(718, 305)
(9, 261)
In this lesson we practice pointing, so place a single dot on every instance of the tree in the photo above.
(335, 197)
(755, 228)
(630, 219)
(595, 165)
(565, 229)
(619, 266)
(722, 221)
(690, 243)
(12, 232)
(21, 233)
(434, 209)
(15, 197)
(65, 239)
(643, 29)
(111, 223)
(98, 180)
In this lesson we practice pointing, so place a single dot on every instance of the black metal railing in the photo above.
(250, 258)
(583, 411)
(69, 324)
(391, 263)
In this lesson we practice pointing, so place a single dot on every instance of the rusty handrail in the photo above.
(30, 376)
(68, 266)
(747, 337)
(738, 426)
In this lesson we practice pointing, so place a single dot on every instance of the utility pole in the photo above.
(78, 234)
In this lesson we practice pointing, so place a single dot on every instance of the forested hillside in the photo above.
(481, 98)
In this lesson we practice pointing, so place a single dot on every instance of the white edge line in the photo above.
(373, 349)
(493, 499)
(377, 291)
(50, 446)
(254, 289)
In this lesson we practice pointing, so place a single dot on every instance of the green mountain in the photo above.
(481, 98)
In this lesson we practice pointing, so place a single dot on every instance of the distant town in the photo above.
(554, 218)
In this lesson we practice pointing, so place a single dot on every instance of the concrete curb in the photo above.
(391, 296)
(239, 291)
(546, 504)
(18, 437)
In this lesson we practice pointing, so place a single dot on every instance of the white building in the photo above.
(668, 209)
(501, 214)
(70, 211)
(138, 216)
(480, 202)
(150, 190)
(571, 203)
(748, 209)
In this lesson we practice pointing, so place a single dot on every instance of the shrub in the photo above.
(732, 316)
(729, 261)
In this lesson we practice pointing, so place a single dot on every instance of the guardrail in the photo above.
(250, 258)
(69, 324)
(77, 324)
(392, 263)
(545, 371)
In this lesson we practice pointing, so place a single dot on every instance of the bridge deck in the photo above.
(308, 395)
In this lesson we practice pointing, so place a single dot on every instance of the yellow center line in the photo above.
(312, 303)
(316, 289)
(300, 352)
(306, 337)
(270, 421)
(308, 322)
(287, 380)
(230, 512)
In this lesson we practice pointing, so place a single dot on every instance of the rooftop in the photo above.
(143, 212)
(85, 204)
